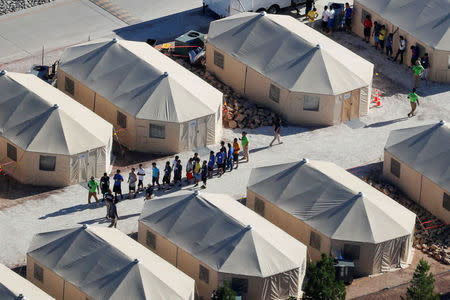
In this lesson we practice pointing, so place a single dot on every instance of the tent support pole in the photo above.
(176, 259)
(95, 100)
(420, 192)
(245, 79)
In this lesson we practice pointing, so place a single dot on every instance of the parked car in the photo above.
(225, 8)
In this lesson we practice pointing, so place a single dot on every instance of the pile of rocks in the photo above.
(434, 241)
(238, 112)
(9, 6)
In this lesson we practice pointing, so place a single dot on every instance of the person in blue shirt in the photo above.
(220, 161)
(211, 163)
(389, 40)
(348, 14)
(230, 157)
(117, 188)
(155, 175)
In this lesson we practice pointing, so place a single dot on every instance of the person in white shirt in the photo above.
(401, 49)
(325, 17)
(141, 174)
(331, 13)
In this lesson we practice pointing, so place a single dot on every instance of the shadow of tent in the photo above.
(104, 220)
(385, 123)
(168, 28)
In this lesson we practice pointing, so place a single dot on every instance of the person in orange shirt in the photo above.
(236, 152)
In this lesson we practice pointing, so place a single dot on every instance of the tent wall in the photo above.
(26, 169)
(52, 284)
(409, 181)
(439, 59)
(233, 72)
(432, 197)
(293, 226)
(182, 260)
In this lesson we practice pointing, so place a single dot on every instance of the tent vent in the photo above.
(3, 72)
(442, 122)
(84, 226)
(115, 40)
(318, 46)
(263, 13)
(165, 74)
(55, 106)
(249, 227)
(305, 161)
(21, 297)
(360, 194)
(196, 193)
(136, 261)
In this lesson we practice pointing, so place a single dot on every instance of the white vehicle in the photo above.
(225, 8)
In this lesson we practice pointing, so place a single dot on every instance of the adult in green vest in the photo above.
(414, 100)
(244, 143)
(417, 73)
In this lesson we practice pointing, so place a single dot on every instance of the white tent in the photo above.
(428, 21)
(293, 57)
(145, 85)
(15, 287)
(229, 238)
(40, 120)
(104, 263)
(339, 206)
(418, 160)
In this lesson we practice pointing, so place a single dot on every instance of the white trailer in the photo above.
(225, 8)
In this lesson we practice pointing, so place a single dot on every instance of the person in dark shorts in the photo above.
(141, 174)
(211, 163)
(149, 192)
(117, 188)
(204, 174)
(132, 179)
(104, 184)
(109, 198)
(113, 214)
(177, 171)
(230, 157)
(155, 175)
(367, 28)
(237, 148)
(348, 14)
(167, 174)
(220, 161)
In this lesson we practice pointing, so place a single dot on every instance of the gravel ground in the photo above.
(10, 6)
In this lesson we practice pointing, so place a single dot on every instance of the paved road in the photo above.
(66, 22)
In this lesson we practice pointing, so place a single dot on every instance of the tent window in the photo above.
(446, 201)
(311, 103)
(315, 240)
(11, 152)
(157, 131)
(203, 274)
(239, 285)
(351, 251)
(363, 15)
(259, 206)
(274, 93)
(47, 163)
(69, 86)
(150, 240)
(219, 59)
(395, 168)
(38, 273)
(121, 120)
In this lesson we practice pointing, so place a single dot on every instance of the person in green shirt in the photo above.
(244, 143)
(417, 73)
(93, 189)
(413, 99)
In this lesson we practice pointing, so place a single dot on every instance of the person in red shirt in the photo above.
(367, 28)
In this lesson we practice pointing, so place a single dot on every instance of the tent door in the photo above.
(355, 105)
(92, 163)
(350, 106)
(201, 133)
(192, 134)
(83, 163)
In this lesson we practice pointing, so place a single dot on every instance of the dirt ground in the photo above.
(392, 285)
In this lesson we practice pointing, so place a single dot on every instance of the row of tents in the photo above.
(294, 212)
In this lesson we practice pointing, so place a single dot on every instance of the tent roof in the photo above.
(223, 234)
(12, 285)
(30, 119)
(106, 264)
(428, 21)
(425, 149)
(333, 201)
(132, 76)
(287, 52)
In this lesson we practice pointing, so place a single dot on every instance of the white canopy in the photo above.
(224, 234)
(428, 20)
(333, 201)
(140, 80)
(38, 117)
(290, 53)
(106, 264)
(425, 149)
(12, 285)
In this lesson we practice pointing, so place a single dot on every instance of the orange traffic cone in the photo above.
(377, 96)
